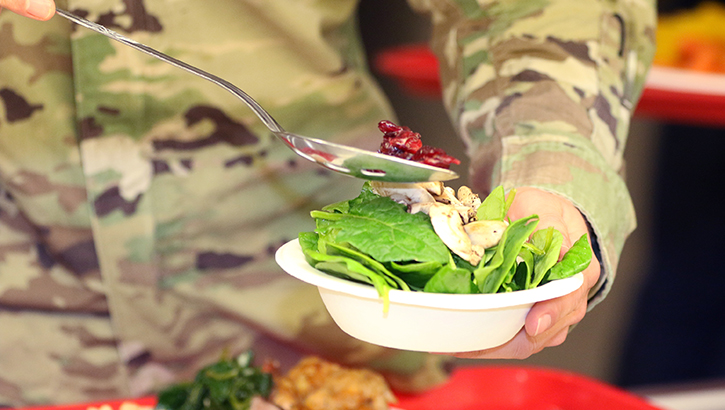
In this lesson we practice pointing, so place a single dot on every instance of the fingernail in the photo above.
(542, 325)
(39, 8)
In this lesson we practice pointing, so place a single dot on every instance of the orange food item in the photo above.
(701, 54)
(693, 39)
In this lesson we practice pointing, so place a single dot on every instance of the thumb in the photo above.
(35, 9)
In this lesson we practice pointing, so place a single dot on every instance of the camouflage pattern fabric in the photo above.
(140, 206)
(542, 93)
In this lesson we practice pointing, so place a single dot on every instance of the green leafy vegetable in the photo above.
(575, 260)
(374, 240)
(384, 229)
(496, 205)
(229, 384)
(524, 271)
(415, 274)
(450, 279)
(491, 276)
(549, 242)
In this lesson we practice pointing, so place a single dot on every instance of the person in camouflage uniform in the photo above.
(140, 206)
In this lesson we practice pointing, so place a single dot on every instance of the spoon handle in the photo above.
(261, 112)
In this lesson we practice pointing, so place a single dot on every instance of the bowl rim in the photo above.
(291, 259)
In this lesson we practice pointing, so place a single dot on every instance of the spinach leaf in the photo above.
(524, 270)
(357, 271)
(575, 260)
(340, 268)
(347, 263)
(462, 263)
(308, 243)
(343, 207)
(415, 274)
(508, 285)
(509, 201)
(496, 205)
(549, 241)
(490, 277)
(383, 229)
(492, 207)
(367, 261)
(450, 279)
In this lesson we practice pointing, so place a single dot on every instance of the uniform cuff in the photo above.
(570, 166)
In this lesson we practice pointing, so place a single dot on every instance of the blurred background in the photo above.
(664, 320)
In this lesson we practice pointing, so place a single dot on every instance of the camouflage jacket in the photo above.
(140, 206)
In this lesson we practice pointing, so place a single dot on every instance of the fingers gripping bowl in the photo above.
(420, 321)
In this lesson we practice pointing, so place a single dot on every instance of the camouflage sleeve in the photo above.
(542, 92)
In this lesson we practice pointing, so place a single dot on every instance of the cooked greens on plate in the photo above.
(229, 384)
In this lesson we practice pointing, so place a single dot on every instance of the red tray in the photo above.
(529, 388)
(489, 388)
(107, 405)
(670, 94)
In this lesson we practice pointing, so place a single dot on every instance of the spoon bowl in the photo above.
(340, 158)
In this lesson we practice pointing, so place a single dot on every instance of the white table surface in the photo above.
(696, 396)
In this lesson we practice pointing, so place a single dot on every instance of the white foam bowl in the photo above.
(419, 321)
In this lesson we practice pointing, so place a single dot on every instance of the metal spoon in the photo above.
(347, 160)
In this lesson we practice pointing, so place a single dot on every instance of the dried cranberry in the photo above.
(386, 126)
(435, 157)
(407, 141)
(386, 148)
(400, 141)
